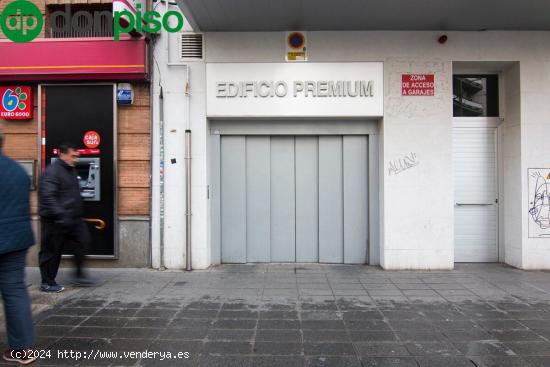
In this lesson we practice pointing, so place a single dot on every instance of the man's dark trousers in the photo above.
(56, 238)
(17, 308)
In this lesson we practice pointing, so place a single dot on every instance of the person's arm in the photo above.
(49, 194)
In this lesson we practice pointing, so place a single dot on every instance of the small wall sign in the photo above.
(91, 139)
(16, 103)
(418, 85)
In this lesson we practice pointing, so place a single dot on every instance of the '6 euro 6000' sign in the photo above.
(16, 103)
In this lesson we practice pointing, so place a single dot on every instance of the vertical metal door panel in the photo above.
(475, 184)
(331, 205)
(307, 199)
(355, 153)
(233, 199)
(282, 199)
(257, 199)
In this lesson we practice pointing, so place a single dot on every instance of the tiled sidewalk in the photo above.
(306, 315)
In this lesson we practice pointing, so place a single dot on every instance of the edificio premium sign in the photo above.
(261, 90)
(280, 88)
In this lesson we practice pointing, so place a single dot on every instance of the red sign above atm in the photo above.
(418, 85)
(16, 103)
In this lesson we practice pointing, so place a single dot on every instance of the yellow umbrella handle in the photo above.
(99, 224)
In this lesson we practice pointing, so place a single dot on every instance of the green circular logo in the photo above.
(21, 21)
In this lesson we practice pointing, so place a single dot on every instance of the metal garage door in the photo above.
(476, 212)
(294, 199)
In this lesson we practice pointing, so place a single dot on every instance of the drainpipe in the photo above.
(161, 182)
(188, 181)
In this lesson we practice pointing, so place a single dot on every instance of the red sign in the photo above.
(81, 151)
(91, 139)
(16, 103)
(418, 85)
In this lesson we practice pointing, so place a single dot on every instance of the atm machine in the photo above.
(84, 115)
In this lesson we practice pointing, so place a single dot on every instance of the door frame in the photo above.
(116, 254)
(494, 123)
(341, 127)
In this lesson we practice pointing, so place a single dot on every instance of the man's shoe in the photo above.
(22, 356)
(56, 288)
(85, 281)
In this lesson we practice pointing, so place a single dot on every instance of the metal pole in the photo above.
(188, 199)
(161, 183)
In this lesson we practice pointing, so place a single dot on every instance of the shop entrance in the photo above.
(84, 115)
(294, 199)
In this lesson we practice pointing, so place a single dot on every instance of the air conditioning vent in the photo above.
(191, 46)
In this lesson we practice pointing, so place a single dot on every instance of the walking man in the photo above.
(15, 238)
(62, 224)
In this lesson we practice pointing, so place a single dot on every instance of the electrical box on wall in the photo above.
(296, 46)
(125, 94)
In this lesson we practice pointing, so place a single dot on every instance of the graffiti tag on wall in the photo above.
(402, 164)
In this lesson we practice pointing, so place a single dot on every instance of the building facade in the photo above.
(72, 80)
(400, 148)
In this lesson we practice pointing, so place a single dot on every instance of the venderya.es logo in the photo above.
(21, 21)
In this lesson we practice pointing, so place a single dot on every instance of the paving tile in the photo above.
(91, 332)
(116, 312)
(147, 322)
(323, 324)
(197, 314)
(420, 335)
(278, 361)
(279, 335)
(532, 348)
(444, 361)
(325, 336)
(372, 336)
(278, 324)
(223, 361)
(501, 325)
(279, 314)
(483, 348)
(271, 348)
(230, 335)
(500, 361)
(137, 333)
(321, 315)
(181, 334)
(537, 361)
(333, 362)
(156, 312)
(382, 349)
(370, 325)
(432, 348)
(107, 322)
(515, 335)
(62, 320)
(191, 323)
(389, 362)
(328, 349)
(227, 348)
(235, 324)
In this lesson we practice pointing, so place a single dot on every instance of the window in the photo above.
(77, 21)
(475, 95)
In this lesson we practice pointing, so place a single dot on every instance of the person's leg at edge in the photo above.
(17, 306)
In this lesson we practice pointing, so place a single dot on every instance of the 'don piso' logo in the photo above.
(21, 21)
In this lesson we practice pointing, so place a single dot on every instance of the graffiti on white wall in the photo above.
(402, 164)
(539, 202)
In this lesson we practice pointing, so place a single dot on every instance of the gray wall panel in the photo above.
(257, 199)
(331, 206)
(282, 199)
(233, 199)
(307, 199)
(355, 199)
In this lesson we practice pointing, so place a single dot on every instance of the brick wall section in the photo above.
(133, 150)
(134, 146)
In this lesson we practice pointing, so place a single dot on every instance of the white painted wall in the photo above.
(416, 205)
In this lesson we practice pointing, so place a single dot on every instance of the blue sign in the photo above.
(124, 97)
